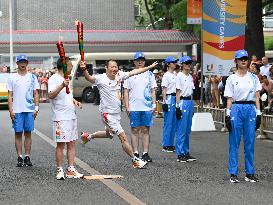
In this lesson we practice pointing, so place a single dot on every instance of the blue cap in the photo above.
(184, 59)
(240, 54)
(139, 55)
(21, 57)
(170, 59)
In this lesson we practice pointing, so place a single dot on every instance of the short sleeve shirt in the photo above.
(169, 81)
(139, 86)
(110, 91)
(62, 105)
(242, 88)
(185, 84)
(22, 88)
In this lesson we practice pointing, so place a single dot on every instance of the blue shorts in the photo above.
(141, 118)
(23, 121)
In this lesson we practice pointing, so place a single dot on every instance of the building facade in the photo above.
(61, 14)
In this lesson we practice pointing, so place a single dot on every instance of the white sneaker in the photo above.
(73, 173)
(138, 163)
(60, 174)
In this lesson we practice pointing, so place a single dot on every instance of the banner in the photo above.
(194, 12)
(223, 33)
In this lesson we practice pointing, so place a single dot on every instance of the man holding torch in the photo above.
(64, 117)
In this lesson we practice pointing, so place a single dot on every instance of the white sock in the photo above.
(21, 156)
(71, 167)
(144, 153)
(26, 155)
(60, 168)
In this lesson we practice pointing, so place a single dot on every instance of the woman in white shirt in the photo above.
(184, 110)
(243, 116)
(168, 106)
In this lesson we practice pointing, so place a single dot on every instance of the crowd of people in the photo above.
(180, 88)
(214, 86)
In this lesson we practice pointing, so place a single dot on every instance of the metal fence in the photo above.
(218, 115)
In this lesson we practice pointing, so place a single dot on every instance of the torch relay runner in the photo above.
(110, 101)
(64, 120)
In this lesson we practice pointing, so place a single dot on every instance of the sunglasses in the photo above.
(22, 61)
(187, 62)
(243, 59)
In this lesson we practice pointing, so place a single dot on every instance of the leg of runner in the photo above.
(71, 172)
(59, 154)
(125, 144)
(136, 162)
(86, 137)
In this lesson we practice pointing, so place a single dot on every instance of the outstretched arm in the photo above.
(142, 70)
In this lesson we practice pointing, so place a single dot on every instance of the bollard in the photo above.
(159, 113)
(262, 134)
(224, 128)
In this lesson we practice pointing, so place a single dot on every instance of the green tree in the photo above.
(254, 41)
(174, 13)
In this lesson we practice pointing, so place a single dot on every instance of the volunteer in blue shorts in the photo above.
(168, 106)
(243, 116)
(23, 101)
(140, 102)
(184, 110)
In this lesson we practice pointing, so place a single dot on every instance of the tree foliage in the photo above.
(174, 13)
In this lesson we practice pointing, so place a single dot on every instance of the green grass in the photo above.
(268, 42)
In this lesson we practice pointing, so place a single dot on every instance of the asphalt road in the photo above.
(165, 181)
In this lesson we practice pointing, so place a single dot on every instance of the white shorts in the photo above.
(112, 123)
(65, 130)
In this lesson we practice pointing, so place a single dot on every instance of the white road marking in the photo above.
(123, 193)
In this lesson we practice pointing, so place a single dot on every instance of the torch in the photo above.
(60, 47)
(80, 37)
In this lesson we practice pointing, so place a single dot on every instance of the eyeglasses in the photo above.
(140, 59)
(244, 58)
(187, 62)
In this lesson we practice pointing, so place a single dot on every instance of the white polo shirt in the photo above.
(22, 88)
(139, 86)
(110, 94)
(169, 81)
(242, 88)
(185, 84)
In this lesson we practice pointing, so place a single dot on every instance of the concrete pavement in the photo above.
(164, 182)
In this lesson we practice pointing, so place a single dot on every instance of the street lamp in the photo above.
(10, 36)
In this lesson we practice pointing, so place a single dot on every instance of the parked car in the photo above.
(3, 89)
(95, 62)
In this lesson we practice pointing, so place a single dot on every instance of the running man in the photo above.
(64, 121)
(23, 102)
(110, 101)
